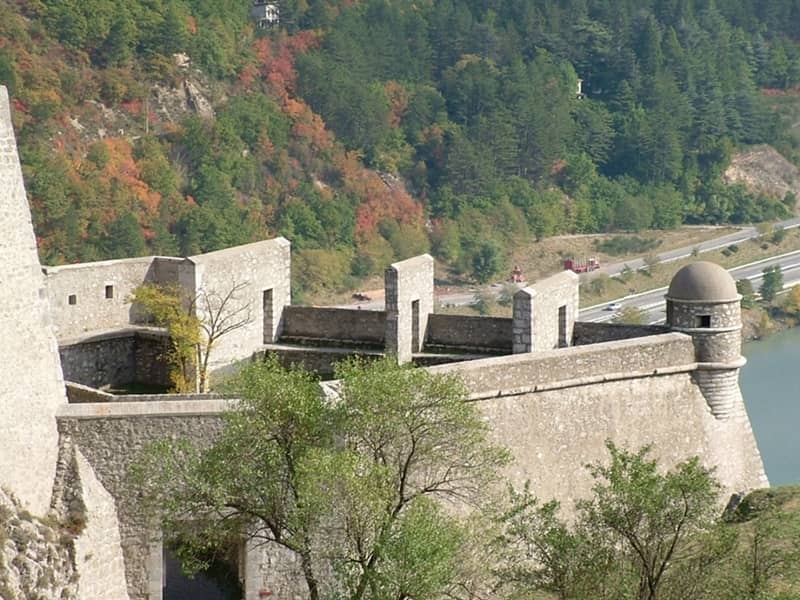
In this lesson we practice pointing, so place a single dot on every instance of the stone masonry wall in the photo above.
(263, 269)
(553, 434)
(555, 368)
(408, 284)
(466, 332)
(110, 436)
(585, 333)
(311, 324)
(538, 320)
(318, 360)
(117, 358)
(31, 386)
(101, 360)
(79, 294)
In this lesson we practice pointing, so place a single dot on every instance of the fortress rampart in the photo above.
(553, 389)
(31, 386)
(553, 410)
(95, 296)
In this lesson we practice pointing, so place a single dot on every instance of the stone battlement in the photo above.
(552, 389)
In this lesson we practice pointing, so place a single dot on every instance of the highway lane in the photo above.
(653, 301)
(737, 237)
(469, 297)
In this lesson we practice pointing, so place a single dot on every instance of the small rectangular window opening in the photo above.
(109, 291)
(562, 327)
(415, 346)
(72, 299)
(703, 321)
(266, 304)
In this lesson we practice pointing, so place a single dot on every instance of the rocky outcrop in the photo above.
(197, 101)
(36, 556)
(762, 169)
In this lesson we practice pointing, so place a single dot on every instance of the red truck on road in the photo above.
(590, 264)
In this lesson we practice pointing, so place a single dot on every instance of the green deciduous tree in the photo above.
(195, 325)
(643, 533)
(745, 288)
(764, 565)
(771, 284)
(485, 261)
(355, 488)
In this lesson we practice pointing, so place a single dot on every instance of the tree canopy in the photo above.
(357, 486)
(353, 120)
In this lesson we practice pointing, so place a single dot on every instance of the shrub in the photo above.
(631, 244)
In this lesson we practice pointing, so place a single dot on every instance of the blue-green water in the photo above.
(770, 383)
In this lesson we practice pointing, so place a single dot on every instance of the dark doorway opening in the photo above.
(220, 581)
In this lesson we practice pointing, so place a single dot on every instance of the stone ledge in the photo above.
(169, 408)
(582, 381)
(110, 334)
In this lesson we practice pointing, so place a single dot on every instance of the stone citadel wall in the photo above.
(95, 296)
(31, 392)
(554, 411)
(553, 407)
(31, 386)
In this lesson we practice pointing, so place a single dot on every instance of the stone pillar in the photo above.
(522, 321)
(409, 301)
(544, 314)
(156, 571)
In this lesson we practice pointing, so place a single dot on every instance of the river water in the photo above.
(770, 383)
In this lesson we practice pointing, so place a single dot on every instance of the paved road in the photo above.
(743, 234)
(653, 301)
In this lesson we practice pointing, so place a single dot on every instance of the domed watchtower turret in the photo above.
(703, 302)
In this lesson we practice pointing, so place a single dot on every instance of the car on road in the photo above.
(614, 306)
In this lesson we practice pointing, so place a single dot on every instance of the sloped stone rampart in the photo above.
(31, 385)
(553, 434)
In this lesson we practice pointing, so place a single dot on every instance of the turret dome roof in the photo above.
(703, 280)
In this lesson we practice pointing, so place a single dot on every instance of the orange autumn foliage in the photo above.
(122, 168)
(398, 100)
(379, 201)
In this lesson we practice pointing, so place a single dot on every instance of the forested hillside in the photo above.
(371, 130)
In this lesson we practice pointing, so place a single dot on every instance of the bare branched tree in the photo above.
(218, 315)
(194, 326)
